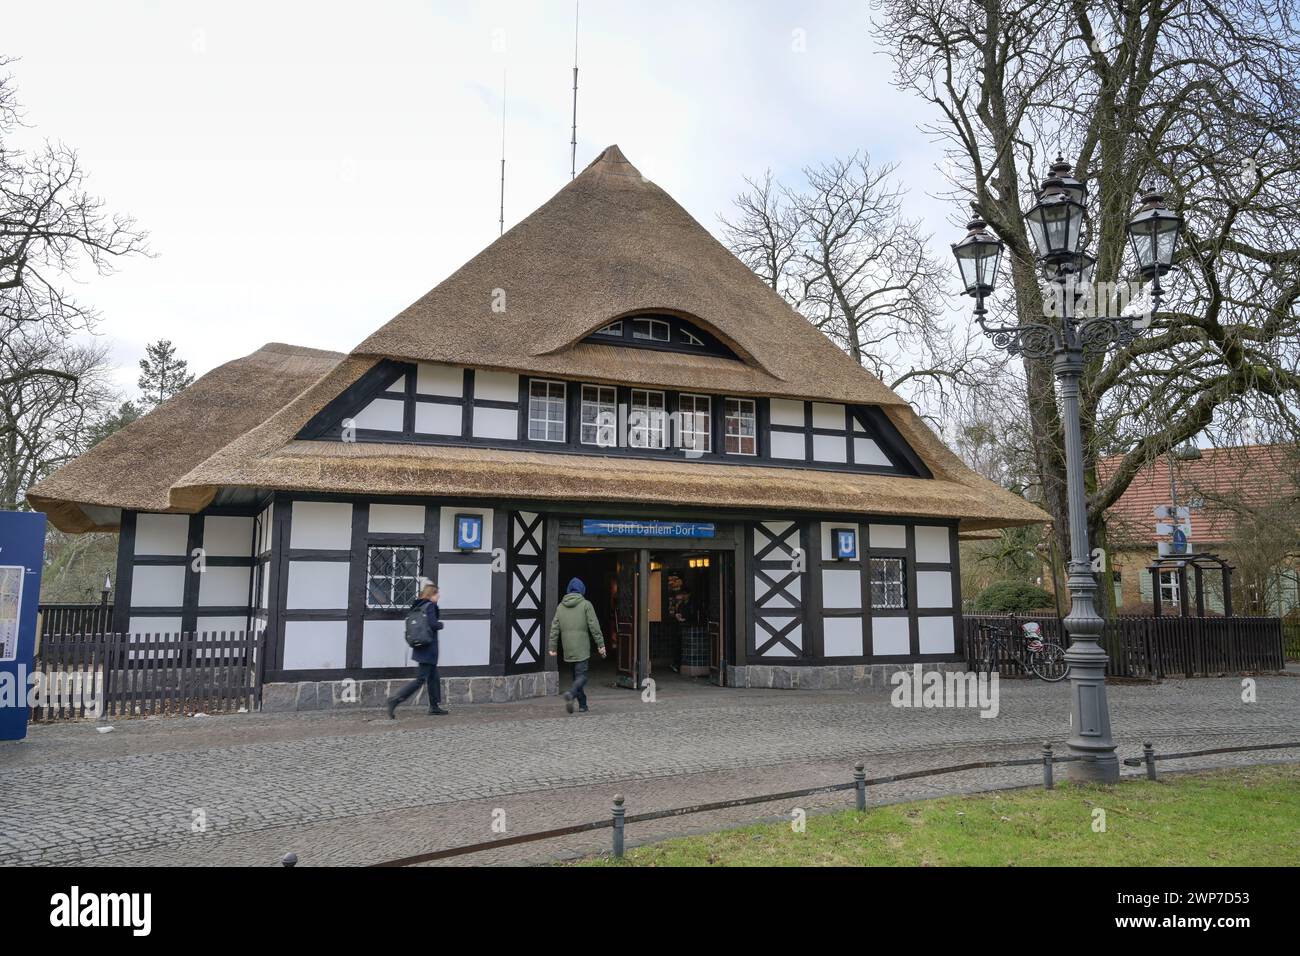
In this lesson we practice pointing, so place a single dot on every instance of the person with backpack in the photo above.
(575, 623)
(422, 627)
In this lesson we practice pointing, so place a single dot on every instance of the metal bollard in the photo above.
(290, 859)
(860, 780)
(1149, 755)
(1047, 765)
(619, 813)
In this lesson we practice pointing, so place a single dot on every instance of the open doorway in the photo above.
(685, 619)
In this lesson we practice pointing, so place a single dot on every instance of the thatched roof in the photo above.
(135, 467)
(609, 243)
(612, 243)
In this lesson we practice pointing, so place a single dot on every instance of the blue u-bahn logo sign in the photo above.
(469, 532)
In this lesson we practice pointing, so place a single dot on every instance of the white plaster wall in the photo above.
(224, 587)
(842, 636)
(826, 415)
(788, 445)
(397, 519)
(867, 452)
(317, 586)
(932, 545)
(383, 644)
(784, 411)
(830, 448)
(888, 536)
(383, 414)
(465, 644)
(841, 588)
(937, 635)
(161, 534)
(158, 586)
(436, 418)
(465, 586)
(447, 380)
(315, 645)
(496, 423)
(321, 526)
(890, 635)
(227, 536)
(934, 589)
(496, 386)
(154, 625)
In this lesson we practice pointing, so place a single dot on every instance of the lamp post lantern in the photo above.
(1055, 224)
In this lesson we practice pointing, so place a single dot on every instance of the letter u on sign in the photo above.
(469, 532)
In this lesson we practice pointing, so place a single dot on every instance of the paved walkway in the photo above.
(355, 788)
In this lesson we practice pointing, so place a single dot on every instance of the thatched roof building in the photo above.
(491, 390)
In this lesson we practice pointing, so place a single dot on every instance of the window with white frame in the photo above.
(741, 422)
(599, 416)
(690, 338)
(653, 330)
(614, 328)
(545, 410)
(888, 587)
(695, 422)
(1169, 588)
(392, 575)
(646, 419)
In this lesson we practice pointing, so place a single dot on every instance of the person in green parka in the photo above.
(575, 623)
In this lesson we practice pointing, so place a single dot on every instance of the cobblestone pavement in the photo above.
(355, 788)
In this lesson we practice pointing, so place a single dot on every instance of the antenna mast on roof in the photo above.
(573, 143)
(502, 221)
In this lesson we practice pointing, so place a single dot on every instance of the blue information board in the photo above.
(635, 528)
(22, 550)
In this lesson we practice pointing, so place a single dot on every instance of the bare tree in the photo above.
(841, 252)
(45, 418)
(50, 225)
(1197, 97)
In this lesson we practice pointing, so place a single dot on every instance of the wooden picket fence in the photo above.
(57, 619)
(1149, 647)
(148, 675)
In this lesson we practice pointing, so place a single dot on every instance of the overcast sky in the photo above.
(306, 170)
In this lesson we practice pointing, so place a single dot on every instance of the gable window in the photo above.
(646, 419)
(695, 422)
(614, 328)
(888, 591)
(690, 338)
(653, 330)
(741, 427)
(392, 576)
(599, 418)
(545, 410)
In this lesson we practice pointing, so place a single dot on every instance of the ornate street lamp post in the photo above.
(1056, 229)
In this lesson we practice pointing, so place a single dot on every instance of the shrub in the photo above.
(1012, 597)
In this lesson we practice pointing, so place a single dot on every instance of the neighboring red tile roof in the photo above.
(1255, 473)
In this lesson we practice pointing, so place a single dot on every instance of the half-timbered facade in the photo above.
(604, 392)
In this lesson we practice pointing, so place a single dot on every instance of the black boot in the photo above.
(391, 706)
(436, 711)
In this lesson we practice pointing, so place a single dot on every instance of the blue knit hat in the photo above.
(576, 584)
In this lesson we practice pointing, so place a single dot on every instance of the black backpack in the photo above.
(418, 631)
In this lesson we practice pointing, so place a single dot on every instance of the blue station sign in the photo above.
(634, 528)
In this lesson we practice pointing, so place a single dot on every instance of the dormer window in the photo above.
(653, 330)
(668, 333)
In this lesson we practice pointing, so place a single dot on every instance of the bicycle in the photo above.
(1045, 658)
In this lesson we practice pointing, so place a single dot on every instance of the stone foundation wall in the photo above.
(826, 677)
(361, 694)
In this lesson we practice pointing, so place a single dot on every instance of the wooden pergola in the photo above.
(1199, 564)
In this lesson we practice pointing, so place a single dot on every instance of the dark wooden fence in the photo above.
(146, 675)
(76, 618)
(1150, 647)
(1291, 640)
